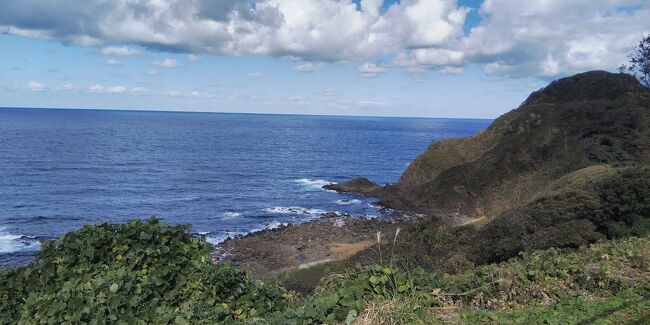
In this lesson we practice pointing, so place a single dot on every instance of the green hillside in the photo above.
(576, 122)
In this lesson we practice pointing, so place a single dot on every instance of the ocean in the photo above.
(225, 174)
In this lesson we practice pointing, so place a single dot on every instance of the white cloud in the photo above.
(451, 71)
(101, 89)
(256, 74)
(514, 38)
(114, 63)
(190, 94)
(120, 51)
(309, 67)
(550, 66)
(430, 58)
(167, 63)
(200, 94)
(194, 57)
(36, 86)
(371, 70)
(292, 58)
(67, 88)
(553, 37)
(310, 29)
(371, 103)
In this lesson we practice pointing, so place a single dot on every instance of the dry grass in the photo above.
(344, 250)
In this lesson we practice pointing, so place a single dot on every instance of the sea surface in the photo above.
(225, 174)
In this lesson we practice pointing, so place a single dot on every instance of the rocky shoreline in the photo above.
(333, 237)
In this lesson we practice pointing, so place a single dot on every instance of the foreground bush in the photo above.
(342, 297)
(140, 272)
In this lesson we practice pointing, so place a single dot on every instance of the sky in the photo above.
(428, 58)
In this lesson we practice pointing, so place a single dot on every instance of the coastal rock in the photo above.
(359, 185)
(330, 215)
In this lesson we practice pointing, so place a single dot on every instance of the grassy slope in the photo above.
(605, 283)
(590, 204)
(591, 118)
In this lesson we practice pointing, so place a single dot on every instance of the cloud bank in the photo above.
(513, 38)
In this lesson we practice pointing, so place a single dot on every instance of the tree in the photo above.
(639, 65)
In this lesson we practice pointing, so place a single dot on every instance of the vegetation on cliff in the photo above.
(576, 122)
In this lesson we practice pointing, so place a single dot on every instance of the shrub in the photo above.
(140, 272)
(343, 297)
(616, 206)
(626, 203)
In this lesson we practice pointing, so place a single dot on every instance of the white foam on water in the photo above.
(203, 233)
(295, 210)
(314, 184)
(231, 214)
(10, 243)
(348, 202)
(215, 240)
(276, 224)
(374, 206)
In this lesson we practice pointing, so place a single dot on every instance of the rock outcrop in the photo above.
(358, 185)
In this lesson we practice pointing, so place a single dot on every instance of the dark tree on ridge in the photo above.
(639, 65)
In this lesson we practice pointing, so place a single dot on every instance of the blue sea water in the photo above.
(225, 174)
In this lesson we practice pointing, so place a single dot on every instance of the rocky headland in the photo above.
(540, 176)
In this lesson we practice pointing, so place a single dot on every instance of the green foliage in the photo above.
(605, 283)
(615, 205)
(543, 277)
(140, 272)
(305, 281)
(343, 297)
(628, 307)
(626, 203)
(146, 272)
(639, 65)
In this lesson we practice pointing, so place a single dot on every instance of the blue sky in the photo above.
(431, 58)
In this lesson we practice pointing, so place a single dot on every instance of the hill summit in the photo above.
(588, 119)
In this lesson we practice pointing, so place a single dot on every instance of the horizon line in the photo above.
(240, 113)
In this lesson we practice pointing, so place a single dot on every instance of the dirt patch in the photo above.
(293, 247)
(347, 250)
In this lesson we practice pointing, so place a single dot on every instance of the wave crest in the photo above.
(348, 202)
(295, 210)
(314, 184)
(10, 243)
